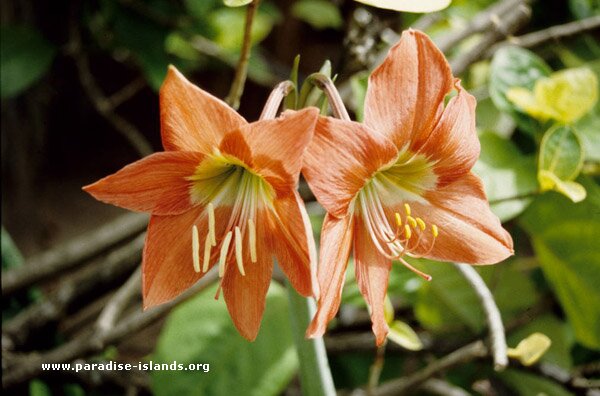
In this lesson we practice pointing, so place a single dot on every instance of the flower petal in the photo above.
(372, 274)
(192, 119)
(406, 92)
(246, 295)
(154, 184)
(336, 240)
(168, 264)
(292, 242)
(276, 146)
(453, 144)
(468, 230)
(342, 156)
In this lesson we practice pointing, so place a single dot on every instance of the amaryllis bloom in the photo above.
(222, 193)
(400, 185)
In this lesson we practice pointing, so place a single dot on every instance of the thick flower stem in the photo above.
(315, 375)
(325, 84)
(280, 91)
(241, 71)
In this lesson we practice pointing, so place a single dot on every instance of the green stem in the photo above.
(315, 375)
(241, 71)
(514, 198)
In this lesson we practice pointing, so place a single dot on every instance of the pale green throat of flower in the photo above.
(222, 180)
(407, 178)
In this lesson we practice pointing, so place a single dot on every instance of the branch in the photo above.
(119, 302)
(492, 315)
(18, 369)
(470, 352)
(241, 71)
(556, 33)
(442, 388)
(71, 253)
(17, 331)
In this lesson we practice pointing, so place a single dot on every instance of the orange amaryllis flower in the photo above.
(223, 193)
(400, 184)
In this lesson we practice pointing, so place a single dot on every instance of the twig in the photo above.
(126, 93)
(475, 350)
(442, 388)
(20, 369)
(73, 252)
(119, 302)
(115, 265)
(557, 32)
(492, 315)
(511, 22)
(376, 368)
(241, 71)
(99, 99)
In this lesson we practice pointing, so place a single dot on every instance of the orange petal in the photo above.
(293, 243)
(192, 119)
(336, 240)
(342, 156)
(372, 274)
(155, 184)
(168, 268)
(468, 230)
(453, 144)
(406, 92)
(245, 295)
(276, 146)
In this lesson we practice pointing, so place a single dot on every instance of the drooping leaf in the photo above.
(402, 334)
(200, 331)
(565, 239)
(25, 56)
(505, 173)
(236, 3)
(530, 349)
(515, 67)
(320, 14)
(408, 5)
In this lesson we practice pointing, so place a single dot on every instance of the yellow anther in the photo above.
(195, 249)
(223, 256)
(420, 223)
(238, 251)
(434, 230)
(407, 231)
(407, 209)
(252, 240)
(398, 219)
(207, 246)
(211, 224)
(411, 221)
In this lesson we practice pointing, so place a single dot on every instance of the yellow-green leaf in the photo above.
(572, 190)
(570, 93)
(525, 100)
(530, 349)
(388, 310)
(409, 5)
(403, 335)
(236, 3)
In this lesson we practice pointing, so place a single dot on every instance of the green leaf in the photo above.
(530, 349)
(291, 101)
(229, 23)
(408, 5)
(200, 331)
(178, 45)
(359, 83)
(559, 333)
(587, 128)
(560, 161)
(25, 56)
(236, 3)
(584, 8)
(505, 173)
(565, 239)
(530, 384)
(39, 388)
(320, 14)
(515, 67)
(11, 256)
(402, 334)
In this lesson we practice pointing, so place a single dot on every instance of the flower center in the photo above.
(393, 233)
(225, 181)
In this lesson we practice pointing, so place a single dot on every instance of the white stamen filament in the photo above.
(195, 249)
(252, 240)
(223, 256)
(238, 251)
(207, 248)
(211, 224)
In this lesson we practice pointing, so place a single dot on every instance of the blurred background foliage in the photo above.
(79, 83)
